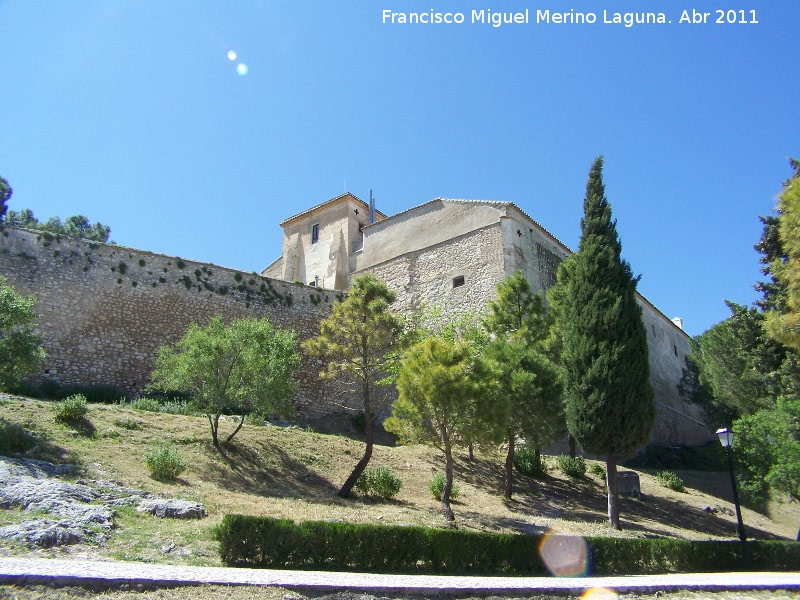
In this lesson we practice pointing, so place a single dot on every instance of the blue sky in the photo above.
(131, 113)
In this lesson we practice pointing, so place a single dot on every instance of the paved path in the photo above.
(114, 573)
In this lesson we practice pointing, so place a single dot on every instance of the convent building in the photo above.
(453, 253)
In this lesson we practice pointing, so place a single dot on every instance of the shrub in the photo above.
(176, 406)
(72, 409)
(148, 404)
(597, 470)
(165, 464)
(14, 438)
(670, 480)
(436, 486)
(527, 462)
(571, 467)
(251, 541)
(379, 481)
(129, 424)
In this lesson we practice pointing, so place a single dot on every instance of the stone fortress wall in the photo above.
(484, 243)
(104, 310)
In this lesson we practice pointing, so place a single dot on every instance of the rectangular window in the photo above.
(315, 233)
(458, 281)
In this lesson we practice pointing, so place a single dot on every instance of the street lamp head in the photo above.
(725, 437)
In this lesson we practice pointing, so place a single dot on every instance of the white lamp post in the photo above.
(726, 439)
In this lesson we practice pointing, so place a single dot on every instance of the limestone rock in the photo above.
(173, 509)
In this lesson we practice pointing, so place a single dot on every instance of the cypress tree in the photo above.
(609, 400)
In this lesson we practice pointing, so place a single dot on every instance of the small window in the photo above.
(315, 233)
(675, 349)
(653, 327)
(458, 281)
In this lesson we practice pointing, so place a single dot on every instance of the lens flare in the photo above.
(241, 69)
(564, 555)
(231, 54)
(600, 594)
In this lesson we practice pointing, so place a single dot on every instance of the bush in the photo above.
(148, 404)
(250, 541)
(165, 464)
(437, 485)
(571, 467)
(597, 470)
(379, 481)
(72, 409)
(670, 480)
(14, 438)
(527, 462)
(176, 406)
(129, 424)
(94, 394)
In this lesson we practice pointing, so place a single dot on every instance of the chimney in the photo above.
(371, 208)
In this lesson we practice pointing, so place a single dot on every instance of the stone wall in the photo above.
(486, 255)
(104, 310)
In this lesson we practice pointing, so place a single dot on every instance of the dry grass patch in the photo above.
(293, 473)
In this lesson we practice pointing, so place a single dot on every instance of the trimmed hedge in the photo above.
(265, 542)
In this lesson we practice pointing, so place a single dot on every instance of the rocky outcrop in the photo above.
(63, 512)
(175, 509)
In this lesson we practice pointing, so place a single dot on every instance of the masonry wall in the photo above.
(104, 310)
(490, 252)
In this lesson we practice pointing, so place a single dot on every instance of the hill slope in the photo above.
(294, 473)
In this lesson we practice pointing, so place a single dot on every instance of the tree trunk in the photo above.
(369, 439)
(447, 512)
(571, 442)
(230, 437)
(213, 420)
(471, 452)
(509, 466)
(613, 491)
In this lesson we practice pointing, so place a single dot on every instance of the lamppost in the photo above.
(726, 439)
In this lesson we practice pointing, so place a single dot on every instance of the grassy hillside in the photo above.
(295, 473)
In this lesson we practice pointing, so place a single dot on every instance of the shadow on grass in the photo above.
(280, 476)
(586, 500)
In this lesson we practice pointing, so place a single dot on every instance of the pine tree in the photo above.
(608, 396)
(360, 341)
(447, 398)
(783, 324)
(520, 326)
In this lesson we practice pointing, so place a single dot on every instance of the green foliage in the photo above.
(165, 463)
(671, 481)
(71, 410)
(379, 481)
(266, 542)
(145, 404)
(5, 194)
(359, 422)
(530, 462)
(597, 470)
(767, 447)
(14, 438)
(446, 398)
(436, 486)
(247, 366)
(94, 394)
(520, 355)
(359, 342)
(735, 370)
(77, 226)
(571, 467)
(129, 424)
(20, 346)
(609, 399)
(783, 323)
